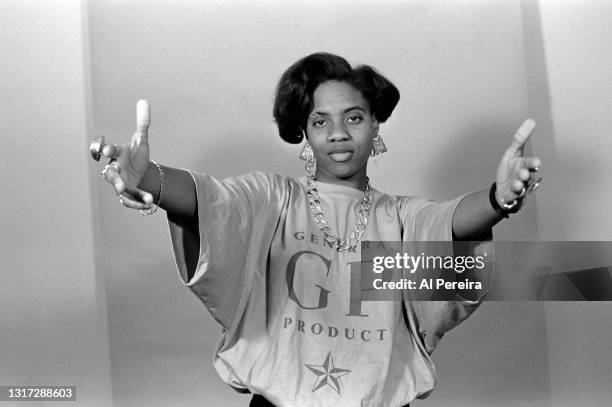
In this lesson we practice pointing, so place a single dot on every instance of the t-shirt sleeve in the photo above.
(236, 221)
(428, 221)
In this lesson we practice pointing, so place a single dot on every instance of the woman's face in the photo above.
(340, 130)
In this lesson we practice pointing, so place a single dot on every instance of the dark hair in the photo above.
(294, 92)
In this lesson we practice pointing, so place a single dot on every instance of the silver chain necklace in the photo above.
(363, 213)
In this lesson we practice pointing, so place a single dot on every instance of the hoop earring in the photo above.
(378, 146)
(308, 155)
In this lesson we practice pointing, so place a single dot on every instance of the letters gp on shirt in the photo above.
(316, 296)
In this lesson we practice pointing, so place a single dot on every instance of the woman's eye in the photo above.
(318, 123)
(355, 119)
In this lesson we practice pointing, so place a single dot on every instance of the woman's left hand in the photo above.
(517, 175)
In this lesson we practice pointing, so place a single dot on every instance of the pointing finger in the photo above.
(143, 119)
(523, 133)
(520, 138)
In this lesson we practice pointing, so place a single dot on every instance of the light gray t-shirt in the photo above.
(295, 326)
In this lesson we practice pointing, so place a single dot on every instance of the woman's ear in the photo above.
(375, 126)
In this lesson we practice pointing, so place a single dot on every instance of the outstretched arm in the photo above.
(138, 182)
(179, 193)
(516, 176)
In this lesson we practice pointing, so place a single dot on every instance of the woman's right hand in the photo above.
(130, 161)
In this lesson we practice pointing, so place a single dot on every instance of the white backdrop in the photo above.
(209, 70)
(90, 294)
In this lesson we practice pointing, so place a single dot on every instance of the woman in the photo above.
(272, 257)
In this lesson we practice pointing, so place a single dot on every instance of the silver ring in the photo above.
(121, 199)
(95, 148)
(533, 184)
(510, 205)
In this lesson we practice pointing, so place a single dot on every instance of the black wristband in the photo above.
(501, 211)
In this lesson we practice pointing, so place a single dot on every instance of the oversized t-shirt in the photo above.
(295, 326)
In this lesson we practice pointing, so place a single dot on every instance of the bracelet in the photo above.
(513, 207)
(151, 211)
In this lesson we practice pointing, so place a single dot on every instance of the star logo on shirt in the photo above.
(327, 374)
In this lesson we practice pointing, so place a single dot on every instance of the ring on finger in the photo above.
(120, 196)
(509, 205)
(533, 184)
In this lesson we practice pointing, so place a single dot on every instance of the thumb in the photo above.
(143, 120)
(520, 138)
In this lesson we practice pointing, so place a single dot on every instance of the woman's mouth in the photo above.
(341, 156)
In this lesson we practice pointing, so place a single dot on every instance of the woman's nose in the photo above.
(338, 132)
